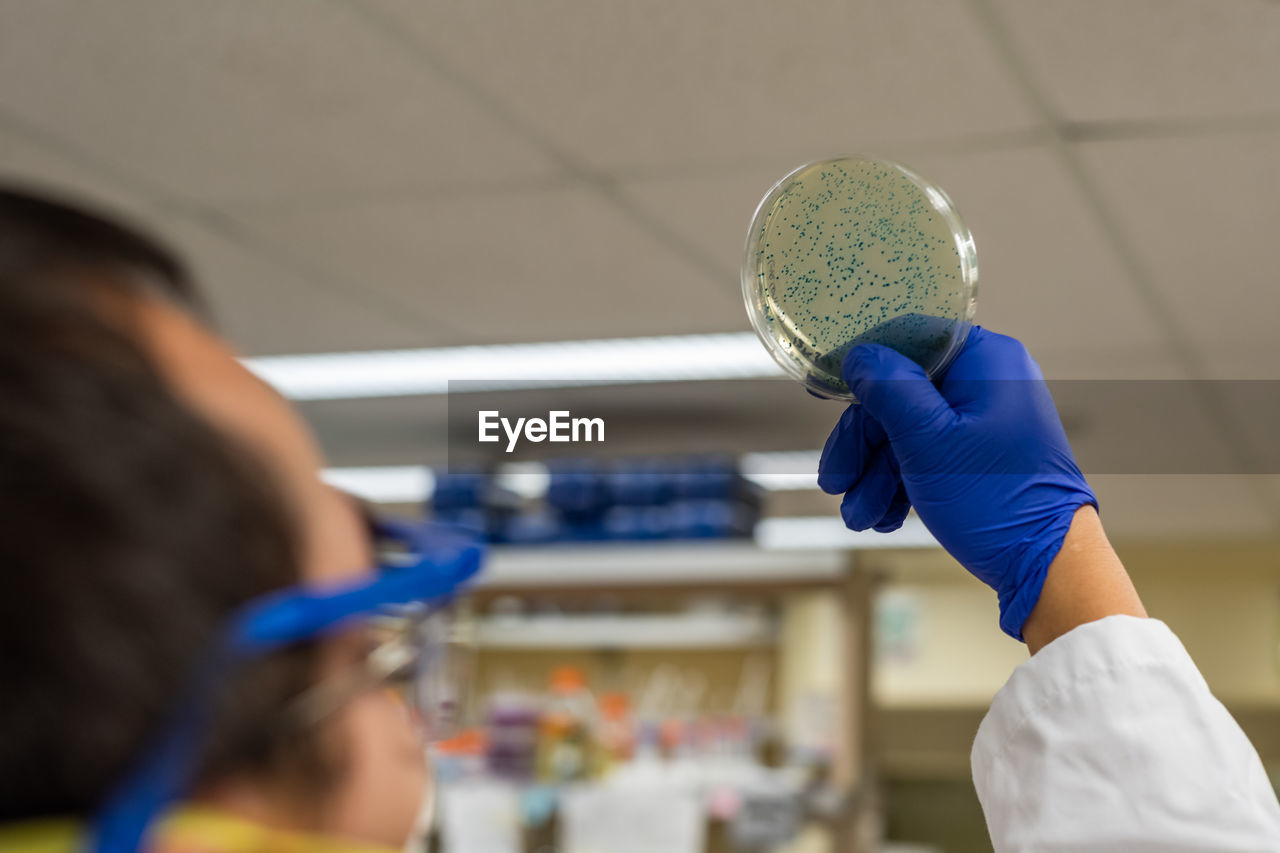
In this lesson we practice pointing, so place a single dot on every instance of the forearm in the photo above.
(1085, 582)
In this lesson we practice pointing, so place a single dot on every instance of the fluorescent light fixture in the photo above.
(618, 361)
(529, 480)
(790, 470)
(828, 532)
(385, 483)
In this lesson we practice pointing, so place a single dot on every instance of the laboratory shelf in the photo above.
(661, 565)
(630, 631)
(785, 551)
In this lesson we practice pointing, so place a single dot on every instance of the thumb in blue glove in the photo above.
(982, 456)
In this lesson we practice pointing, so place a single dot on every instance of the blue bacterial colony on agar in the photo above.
(852, 251)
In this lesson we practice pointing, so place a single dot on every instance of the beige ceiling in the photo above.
(399, 173)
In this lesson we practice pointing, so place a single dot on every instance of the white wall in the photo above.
(946, 650)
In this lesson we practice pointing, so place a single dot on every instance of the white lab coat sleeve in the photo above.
(1109, 739)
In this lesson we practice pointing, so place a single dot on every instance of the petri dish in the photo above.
(858, 250)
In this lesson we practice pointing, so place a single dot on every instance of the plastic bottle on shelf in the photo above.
(615, 733)
(564, 732)
(513, 723)
(461, 757)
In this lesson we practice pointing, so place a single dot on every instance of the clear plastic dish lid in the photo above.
(858, 250)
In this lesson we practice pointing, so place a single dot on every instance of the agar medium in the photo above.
(858, 250)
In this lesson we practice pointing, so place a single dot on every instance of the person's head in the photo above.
(150, 484)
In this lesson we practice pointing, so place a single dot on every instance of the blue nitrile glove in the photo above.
(982, 457)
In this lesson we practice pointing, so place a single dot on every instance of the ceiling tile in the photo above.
(537, 265)
(267, 308)
(262, 305)
(244, 99)
(626, 84)
(1047, 276)
(25, 163)
(1098, 59)
(1201, 213)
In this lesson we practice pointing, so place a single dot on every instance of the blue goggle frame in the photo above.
(440, 560)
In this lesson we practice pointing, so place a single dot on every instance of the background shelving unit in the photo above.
(657, 586)
(628, 631)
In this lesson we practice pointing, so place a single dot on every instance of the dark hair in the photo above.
(41, 236)
(129, 529)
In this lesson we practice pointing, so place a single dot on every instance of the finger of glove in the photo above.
(850, 447)
(896, 514)
(871, 498)
(896, 392)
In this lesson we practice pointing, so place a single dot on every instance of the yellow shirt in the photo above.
(189, 830)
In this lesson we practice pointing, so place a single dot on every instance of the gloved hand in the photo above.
(982, 457)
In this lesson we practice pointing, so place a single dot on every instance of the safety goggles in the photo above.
(427, 567)
(421, 653)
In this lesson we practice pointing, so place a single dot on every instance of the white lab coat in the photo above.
(1109, 739)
